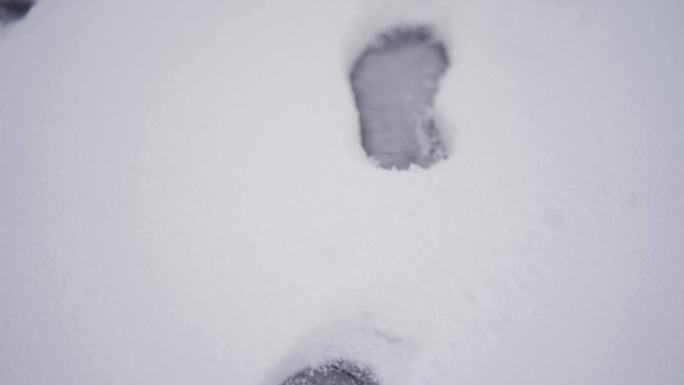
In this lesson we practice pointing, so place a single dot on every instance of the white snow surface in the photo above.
(184, 198)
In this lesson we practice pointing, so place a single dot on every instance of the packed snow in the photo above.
(184, 197)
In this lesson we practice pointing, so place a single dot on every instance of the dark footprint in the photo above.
(337, 373)
(394, 82)
(13, 10)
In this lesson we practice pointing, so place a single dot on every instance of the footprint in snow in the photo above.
(13, 10)
(394, 82)
(334, 373)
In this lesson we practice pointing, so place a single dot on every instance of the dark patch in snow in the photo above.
(335, 373)
(13, 10)
(394, 82)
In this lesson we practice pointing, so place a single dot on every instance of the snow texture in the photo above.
(184, 197)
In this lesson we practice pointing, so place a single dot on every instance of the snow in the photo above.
(184, 197)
